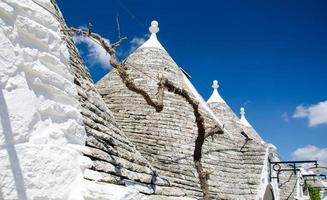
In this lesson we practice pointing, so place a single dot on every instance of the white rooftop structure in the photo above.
(243, 120)
(153, 41)
(215, 97)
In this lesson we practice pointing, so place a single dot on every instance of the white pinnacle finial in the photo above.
(215, 85)
(154, 27)
(153, 42)
(243, 120)
(215, 97)
(242, 111)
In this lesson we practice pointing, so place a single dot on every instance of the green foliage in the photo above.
(313, 192)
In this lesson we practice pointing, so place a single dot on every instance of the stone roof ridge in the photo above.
(215, 97)
(243, 120)
(153, 41)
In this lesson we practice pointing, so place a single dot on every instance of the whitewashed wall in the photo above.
(41, 128)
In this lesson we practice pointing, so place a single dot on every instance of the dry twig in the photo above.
(158, 105)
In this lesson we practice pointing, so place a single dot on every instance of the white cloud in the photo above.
(137, 42)
(285, 117)
(96, 54)
(317, 113)
(311, 152)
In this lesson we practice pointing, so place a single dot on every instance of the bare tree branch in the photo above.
(213, 131)
(158, 105)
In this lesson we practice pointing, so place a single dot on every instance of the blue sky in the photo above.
(271, 54)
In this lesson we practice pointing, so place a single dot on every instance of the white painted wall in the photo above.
(41, 128)
(270, 153)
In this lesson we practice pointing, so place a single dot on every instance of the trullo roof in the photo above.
(166, 139)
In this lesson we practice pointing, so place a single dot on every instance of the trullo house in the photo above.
(62, 137)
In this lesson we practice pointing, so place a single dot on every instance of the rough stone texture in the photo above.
(253, 150)
(287, 184)
(115, 159)
(41, 128)
(166, 139)
(232, 122)
(106, 191)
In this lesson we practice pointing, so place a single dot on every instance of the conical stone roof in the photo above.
(232, 123)
(253, 146)
(166, 139)
(115, 161)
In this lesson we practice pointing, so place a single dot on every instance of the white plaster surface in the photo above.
(102, 191)
(215, 96)
(152, 42)
(244, 121)
(41, 128)
(265, 178)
